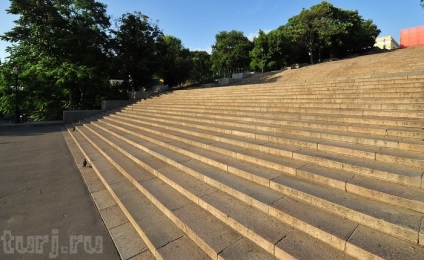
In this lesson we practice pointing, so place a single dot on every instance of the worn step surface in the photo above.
(377, 152)
(176, 159)
(361, 166)
(306, 167)
(275, 237)
(211, 204)
(246, 169)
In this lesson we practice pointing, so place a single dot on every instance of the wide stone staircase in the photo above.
(330, 168)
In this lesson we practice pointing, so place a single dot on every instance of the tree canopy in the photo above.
(231, 51)
(67, 50)
(60, 49)
(201, 66)
(175, 61)
(135, 48)
(325, 28)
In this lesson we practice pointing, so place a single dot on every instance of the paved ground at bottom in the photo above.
(44, 201)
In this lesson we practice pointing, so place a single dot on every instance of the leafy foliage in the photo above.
(66, 51)
(274, 50)
(175, 60)
(231, 51)
(135, 43)
(324, 27)
(60, 49)
(201, 66)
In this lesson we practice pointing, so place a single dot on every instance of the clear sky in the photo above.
(196, 22)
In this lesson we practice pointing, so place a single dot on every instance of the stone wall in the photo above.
(156, 90)
(70, 116)
(112, 104)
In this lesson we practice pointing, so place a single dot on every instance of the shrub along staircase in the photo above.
(322, 169)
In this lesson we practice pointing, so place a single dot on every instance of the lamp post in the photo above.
(17, 116)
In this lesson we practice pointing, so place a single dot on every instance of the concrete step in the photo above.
(397, 223)
(316, 86)
(331, 228)
(381, 121)
(274, 236)
(161, 236)
(375, 84)
(328, 95)
(298, 104)
(283, 95)
(263, 130)
(269, 90)
(325, 168)
(367, 152)
(419, 114)
(287, 91)
(274, 125)
(283, 99)
(315, 170)
(126, 239)
(359, 118)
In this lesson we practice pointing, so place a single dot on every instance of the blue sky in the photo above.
(196, 22)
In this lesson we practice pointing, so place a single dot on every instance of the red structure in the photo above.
(412, 37)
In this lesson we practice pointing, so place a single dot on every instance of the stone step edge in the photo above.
(162, 120)
(275, 106)
(406, 92)
(267, 90)
(411, 93)
(319, 85)
(375, 83)
(306, 175)
(365, 79)
(386, 226)
(124, 209)
(342, 245)
(208, 250)
(259, 131)
(384, 101)
(290, 115)
(270, 164)
(366, 113)
(284, 104)
(403, 143)
(251, 235)
(258, 124)
(78, 153)
(378, 86)
(370, 77)
(240, 97)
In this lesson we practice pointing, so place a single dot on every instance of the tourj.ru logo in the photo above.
(40, 244)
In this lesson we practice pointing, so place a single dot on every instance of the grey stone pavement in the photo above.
(44, 201)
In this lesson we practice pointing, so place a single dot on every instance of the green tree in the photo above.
(283, 50)
(60, 48)
(135, 39)
(259, 53)
(174, 59)
(359, 34)
(325, 27)
(274, 50)
(314, 27)
(231, 52)
(201, 66)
